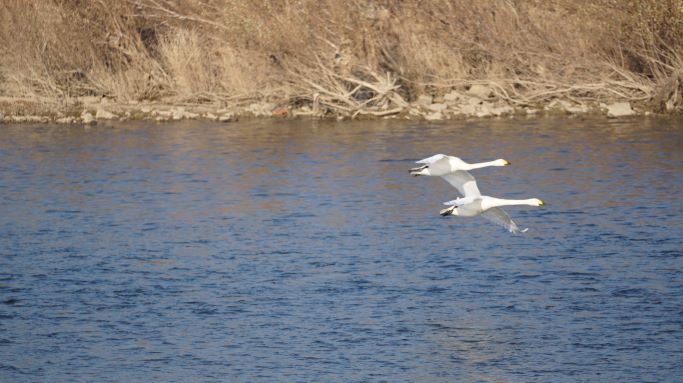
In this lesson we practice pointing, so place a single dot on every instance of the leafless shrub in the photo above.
(350, 57)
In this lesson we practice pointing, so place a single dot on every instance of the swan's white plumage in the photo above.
(432, 159)
(459, 201)
(441, 164)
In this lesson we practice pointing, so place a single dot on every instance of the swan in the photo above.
(441, 164)
(474, 204)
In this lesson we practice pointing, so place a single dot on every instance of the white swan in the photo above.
(441, 164)
(474, 204)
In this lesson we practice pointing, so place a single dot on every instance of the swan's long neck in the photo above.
(495, 202)
(479, 165)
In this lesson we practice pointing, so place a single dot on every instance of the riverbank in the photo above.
(163, 60)
(476, 102)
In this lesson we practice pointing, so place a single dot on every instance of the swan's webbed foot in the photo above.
(447, 211)
(416, 171)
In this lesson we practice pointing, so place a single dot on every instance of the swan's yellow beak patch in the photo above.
(540, 202)
(506, 162)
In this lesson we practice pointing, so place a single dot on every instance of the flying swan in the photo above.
(474, 204)
(441, 164)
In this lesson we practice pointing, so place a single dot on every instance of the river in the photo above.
(302, 251)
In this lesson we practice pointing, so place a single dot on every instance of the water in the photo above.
(302, 251)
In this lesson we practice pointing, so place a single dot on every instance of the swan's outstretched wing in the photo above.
(498, 216)
(431, 159)
(464, 182)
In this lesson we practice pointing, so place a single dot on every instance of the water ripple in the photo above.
(302, 251)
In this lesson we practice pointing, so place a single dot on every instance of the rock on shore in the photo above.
(477, 101)
(619, 109)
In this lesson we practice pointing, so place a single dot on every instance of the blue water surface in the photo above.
(302, 251)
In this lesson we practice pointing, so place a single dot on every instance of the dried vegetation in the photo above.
(343, 57)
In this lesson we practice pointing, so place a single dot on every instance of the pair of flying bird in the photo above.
(455, 172)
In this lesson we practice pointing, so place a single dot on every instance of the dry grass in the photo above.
(351, 57)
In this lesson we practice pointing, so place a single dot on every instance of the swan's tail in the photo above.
(418, 171)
